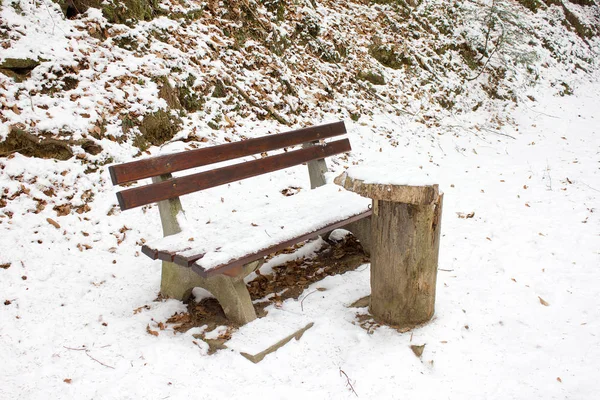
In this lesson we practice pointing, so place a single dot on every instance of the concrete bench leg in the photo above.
(177, 282)
(231, 292)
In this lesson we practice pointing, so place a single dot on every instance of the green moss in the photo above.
(130, 11)
(277, 7)
(532, 5)
(375, 77)
(220, 90)
(126, 42)
(189, 99)
(390, 56)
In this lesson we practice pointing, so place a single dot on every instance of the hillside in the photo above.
(496, 100)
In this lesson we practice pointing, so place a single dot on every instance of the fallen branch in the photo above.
(99, 362)
(269, 109)
(87, 353)
(348, 383)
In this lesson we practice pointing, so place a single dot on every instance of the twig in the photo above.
(87, 353)
(99, 362)
(348, 383)
(269, 109)
(445, 270)
(585, 184)
(302, 301)
(72, 348)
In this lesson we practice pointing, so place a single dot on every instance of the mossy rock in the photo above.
(21, 141)
(532, 5)
(159, 127)
(125, 12)
(118, 12)
(390, 56)
(18, 68)
(220, 90)
(168, 93)
(375, 77)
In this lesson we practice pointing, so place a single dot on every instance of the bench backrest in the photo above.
(166, 164)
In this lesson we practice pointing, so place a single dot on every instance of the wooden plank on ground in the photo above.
(171, 188)
(168, 163)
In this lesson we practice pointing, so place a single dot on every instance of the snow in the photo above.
(517, 307)
(278, 220)
(391, 172)
(534, 234)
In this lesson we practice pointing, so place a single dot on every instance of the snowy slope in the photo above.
(517, 309)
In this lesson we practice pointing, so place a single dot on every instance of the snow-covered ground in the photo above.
(517, 310)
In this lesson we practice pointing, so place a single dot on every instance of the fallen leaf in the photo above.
(466, 216)
(5, 266)
(543, 302)
(53, 223)
(418, 350)
(558, 379)
(67, 380)
(150, 331)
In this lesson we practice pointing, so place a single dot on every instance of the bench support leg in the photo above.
(316, 169)
(361, 229)
(177, 282)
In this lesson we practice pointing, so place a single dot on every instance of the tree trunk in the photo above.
(404, 261)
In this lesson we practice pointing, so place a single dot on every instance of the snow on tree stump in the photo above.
(405, 240)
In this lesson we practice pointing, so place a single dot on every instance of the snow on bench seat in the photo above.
(222, 243)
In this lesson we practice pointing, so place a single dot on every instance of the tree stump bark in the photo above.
(404, 247)
(404, 261)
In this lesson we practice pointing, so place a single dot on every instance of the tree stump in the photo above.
(405, 239)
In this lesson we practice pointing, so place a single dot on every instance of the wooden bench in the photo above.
(217, 256)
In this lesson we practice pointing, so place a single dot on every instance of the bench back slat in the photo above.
(171, 188)
(165, 164)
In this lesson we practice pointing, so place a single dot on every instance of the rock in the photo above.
(390, 55)
(375, 77)
(168, 93)
(18, 140)
(91, 147)
(18, 68)
(157, 128)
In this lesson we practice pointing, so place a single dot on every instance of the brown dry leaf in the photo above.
(466, 216)
(53, 223)
(5, 265)
(418, 350)
(161, 326)
(62, 210)
(67, 380)
(253, 224)
(139, 309)
(543, 302)
(558, 379)
(150, 331)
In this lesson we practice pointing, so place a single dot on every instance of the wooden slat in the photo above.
(190, 260)
(252, 257)
(168, 163)
(171, 188)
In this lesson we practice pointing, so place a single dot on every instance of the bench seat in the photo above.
(216, 247)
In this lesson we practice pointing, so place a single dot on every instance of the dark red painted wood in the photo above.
(155, 166)
(171, 188)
